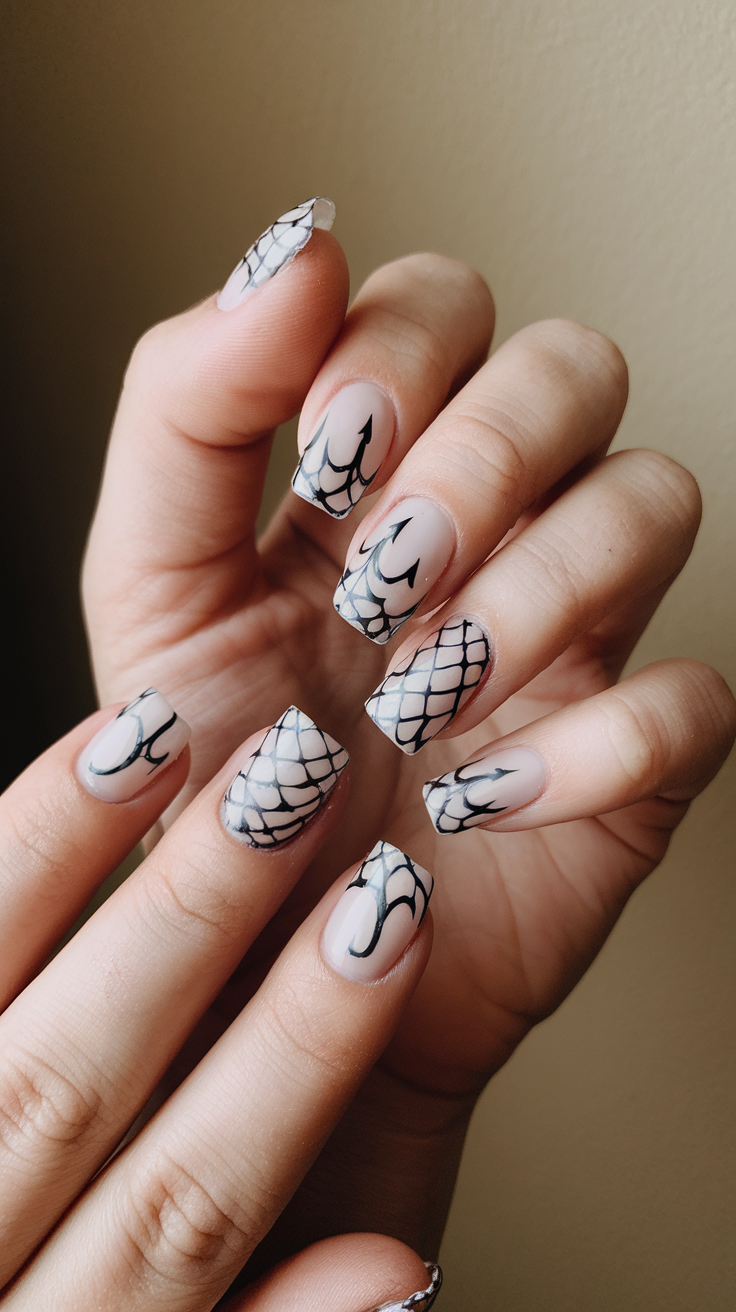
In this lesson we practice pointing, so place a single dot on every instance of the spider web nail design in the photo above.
(363, 595)
(284, 782)
(276, 247)
(450, 799)
(151, 717)
(327, 483)
(421, 696)
(394, 880)
(421, 1301)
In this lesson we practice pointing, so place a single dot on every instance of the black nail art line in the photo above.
(308, 484)
(356, 599)
(284, 782)
(141, 742)
(253, 264)
(421, 1301)
(456, 786)
(461, 647)
(381, 864)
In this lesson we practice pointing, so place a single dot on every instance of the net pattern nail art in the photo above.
(421, 1301)
(364, 594)
(394, 880)
(464, 798)
(282, 785)
(327, 483)
(275, 248)
(423, 694)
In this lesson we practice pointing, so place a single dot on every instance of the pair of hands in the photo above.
(202, 984)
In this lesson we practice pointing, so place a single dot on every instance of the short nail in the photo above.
(348, 447)
(424, 693)
(378, 914)
(477, 792)
(423, 1300)
(281, 785)
(275, 248)
(143, 739)
(392, 571)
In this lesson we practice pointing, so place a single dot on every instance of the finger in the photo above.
(611, 540)
(59, 835)
(658, 737)
(417, 328)
(355, 1273)
(551, 396)
(174, 1218)
(86, 1043)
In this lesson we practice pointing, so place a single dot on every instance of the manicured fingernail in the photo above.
(275, 248)
(391, 573)
(378, 914)
(348, 447)
(282, 784)
(426, 690)
(421, 1301)
(476, 793)
(143, 739)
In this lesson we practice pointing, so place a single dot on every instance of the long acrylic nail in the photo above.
(423, 1300)
(275, 248)
(144, 738)
(391, 573)
(282, 784)
(348, 447)
(378, 914)
(477, 792)
(425, 692)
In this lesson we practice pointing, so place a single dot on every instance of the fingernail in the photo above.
(423, 694)
(282, 784)
(421, 1301)
(476, 793)
(275, 248)
(347, 449)
(391, 573)
(143, 739)
(378, 914)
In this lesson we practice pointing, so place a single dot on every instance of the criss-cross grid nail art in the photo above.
(421, 1301)
(275, 248)
(282, 785)
(393, 880)
(422, 695)
(327, 483)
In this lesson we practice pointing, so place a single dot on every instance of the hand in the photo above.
(556, 552)
(171, 1219)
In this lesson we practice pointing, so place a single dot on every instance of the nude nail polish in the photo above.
(143, 739)
(275, 248)
(423, 1300)
(492, 786)
(349, 444)
(424, 693)
(392, 571)
(378, 914)
(284, 783)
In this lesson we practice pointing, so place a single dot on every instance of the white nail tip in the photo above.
(347, 449)
(423, 1300)
(476, 793)
(144, 738)
(274, 249)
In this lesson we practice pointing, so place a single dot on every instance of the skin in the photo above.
(179, 595)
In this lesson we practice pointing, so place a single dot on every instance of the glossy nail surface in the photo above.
(423, 694)
(275, 248)
(282, 784)
(378, 914)
(423, 1300)
(348, 447)
(477, 792)
(145, 737)
(392, 571)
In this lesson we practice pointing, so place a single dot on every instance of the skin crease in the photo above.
(177, 594)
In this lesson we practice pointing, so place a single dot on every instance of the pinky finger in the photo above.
(663, 733)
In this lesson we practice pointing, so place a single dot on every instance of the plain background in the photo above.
(581, 154)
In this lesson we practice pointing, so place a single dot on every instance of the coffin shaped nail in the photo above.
(378, 914)
(423, 1300)
(347, 449)
(144, 738)
(392, 571)
(282, 784)
(477, 792)
(423, 694)
(275, 248)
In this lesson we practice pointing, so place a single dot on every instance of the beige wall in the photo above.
(581, 154)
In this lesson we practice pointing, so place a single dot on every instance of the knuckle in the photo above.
(492, 443)
(639, 737)
(187, 899)
(41, 1108)
(667, 486)
(583, 361)
(301, 1035)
